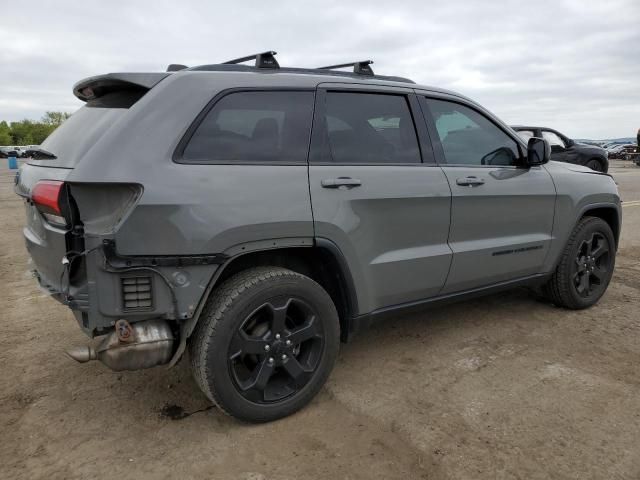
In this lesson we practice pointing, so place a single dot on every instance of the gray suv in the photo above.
(256, 216)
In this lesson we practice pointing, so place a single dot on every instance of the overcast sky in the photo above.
(569, 64)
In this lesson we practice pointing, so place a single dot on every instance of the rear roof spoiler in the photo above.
(94, 87)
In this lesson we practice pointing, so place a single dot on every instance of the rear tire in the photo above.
(266, 343)
(586, 266)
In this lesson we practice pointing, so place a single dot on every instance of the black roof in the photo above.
(222, 67)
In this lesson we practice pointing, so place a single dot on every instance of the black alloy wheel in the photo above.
(276, 349)
(586, 265)
(265, 343)
(592, 265)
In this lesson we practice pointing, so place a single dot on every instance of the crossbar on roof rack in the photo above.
(361, 67)
(263, 60)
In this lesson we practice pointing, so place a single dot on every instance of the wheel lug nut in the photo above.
(267, 348)
(270, 360)
(277, 336)
(288, 342)
(284, 356)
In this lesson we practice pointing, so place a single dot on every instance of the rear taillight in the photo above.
(47, 197)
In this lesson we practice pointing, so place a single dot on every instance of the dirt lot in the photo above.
(504, 387)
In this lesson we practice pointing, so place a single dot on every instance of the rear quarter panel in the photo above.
(194, 209)
(186, 209)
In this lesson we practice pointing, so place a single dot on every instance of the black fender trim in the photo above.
(188, 326)
(116, 260)
(602, 206)
(351, 295)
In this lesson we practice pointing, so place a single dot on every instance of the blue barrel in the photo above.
(13, 163)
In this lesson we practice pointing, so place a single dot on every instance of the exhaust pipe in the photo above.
(82, 354)
(130, 346)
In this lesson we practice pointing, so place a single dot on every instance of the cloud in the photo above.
(569, 64)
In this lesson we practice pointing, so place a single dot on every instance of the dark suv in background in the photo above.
(564, 149)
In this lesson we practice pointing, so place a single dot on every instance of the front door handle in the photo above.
(470, 181)
(347, 182)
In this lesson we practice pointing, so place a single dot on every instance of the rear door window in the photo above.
(369, 128)
(256, 126)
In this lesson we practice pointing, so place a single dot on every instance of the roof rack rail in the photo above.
(361, 67)
(263, 60)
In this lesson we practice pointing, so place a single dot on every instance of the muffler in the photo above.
(134, 346)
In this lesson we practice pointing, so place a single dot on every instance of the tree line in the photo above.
(30, 132)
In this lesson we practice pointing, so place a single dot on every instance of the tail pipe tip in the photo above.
(82, 354)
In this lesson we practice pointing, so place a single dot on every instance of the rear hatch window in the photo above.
(71, 141)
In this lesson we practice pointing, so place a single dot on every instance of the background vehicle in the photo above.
(9, 152)
(610, 145)
(625, 152)
(16, 151)
(259, 215)
(564, 149)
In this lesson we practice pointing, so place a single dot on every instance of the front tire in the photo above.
(266, 343)
(586, 266)
(595, 165)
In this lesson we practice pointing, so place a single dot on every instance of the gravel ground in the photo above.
(502, 387)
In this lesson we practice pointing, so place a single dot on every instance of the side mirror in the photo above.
(538, 151)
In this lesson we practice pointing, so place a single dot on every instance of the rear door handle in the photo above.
(347, 182)
(470, 181)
